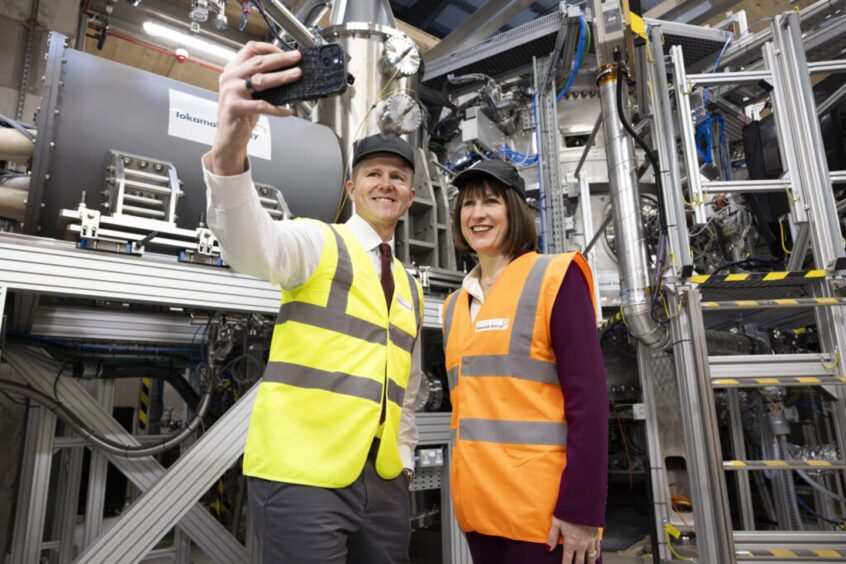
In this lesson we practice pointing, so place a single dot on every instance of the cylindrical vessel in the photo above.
(14, 145)
(628, 224)
(356, 113)
(95, 105)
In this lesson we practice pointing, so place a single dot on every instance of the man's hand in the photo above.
(266, 66)
(581, 543)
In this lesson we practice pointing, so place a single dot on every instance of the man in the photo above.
(330, 447)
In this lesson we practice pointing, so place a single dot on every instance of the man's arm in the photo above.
(285, 253)
(408, 425)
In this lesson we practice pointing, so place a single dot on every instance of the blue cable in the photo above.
(577, 60)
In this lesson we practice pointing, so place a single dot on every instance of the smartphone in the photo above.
(324, 74)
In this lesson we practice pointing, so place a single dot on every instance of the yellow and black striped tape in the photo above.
(809, 553)
(757, 276)
(779, 302)
(782, 464)
(782, 381)
(146, 384)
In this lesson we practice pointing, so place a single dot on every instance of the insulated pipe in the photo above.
(628, 223)
(14, 145)
(13, 193)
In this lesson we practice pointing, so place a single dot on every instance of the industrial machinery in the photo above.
(699, 169)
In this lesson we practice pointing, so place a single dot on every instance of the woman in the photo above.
(530, 408)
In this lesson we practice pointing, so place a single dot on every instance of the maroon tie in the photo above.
(387, 272)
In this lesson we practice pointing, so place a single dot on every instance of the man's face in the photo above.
(382, 190)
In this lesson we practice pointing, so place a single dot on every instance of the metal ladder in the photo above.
(815, 224)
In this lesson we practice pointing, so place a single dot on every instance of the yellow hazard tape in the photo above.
(142, 417)
(747, 303)
(726, 381)
(775, 463)
(826, 553)
(808, 380)
(786, 302)
(736, 277)
(767, 380)
(782, 552)
(815, 274)
(637, 25)
(736, 464)
(828, 301)
(776, 275)
(818, 463)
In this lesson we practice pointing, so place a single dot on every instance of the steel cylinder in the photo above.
(628, 223)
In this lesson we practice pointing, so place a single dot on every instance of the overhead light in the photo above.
(188, 41)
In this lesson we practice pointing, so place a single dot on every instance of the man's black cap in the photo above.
(495, 168)
(383, 143)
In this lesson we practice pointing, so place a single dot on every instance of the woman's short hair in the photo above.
(521, 235)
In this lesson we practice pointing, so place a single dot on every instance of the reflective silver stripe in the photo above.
(452, 377)
(415, 298)
(505, 365)
(400, 338)
(453, 437)
(449, 314)
(332, 320)
(395, 393)
(513, 432)
(337, 382)
(339, 293)
(527, 307)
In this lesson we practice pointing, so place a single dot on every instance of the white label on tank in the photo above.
(195, 119)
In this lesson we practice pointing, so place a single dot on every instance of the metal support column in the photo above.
(664, 138)
(454, 544)
(738, 446)
(714, 539)
(34, 485)
(657, 470)
(95, 499)
(552, 195)
(65, 524)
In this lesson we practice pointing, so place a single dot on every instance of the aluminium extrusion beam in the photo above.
(738, 447)
(664, 136)
(95, 499)
(177, 492)
(812, 365)
(35, 485)
(551, 194)
(479, 26)
(144, 473)
(702, 443)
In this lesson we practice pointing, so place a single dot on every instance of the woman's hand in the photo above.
(581, 543)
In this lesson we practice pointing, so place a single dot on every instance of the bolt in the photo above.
(56, 112)
(46, 177)
(52, 144)
(43, 205)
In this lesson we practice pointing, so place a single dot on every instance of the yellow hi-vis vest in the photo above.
(337, 355)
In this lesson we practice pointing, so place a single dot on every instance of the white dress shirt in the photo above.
(286, 253)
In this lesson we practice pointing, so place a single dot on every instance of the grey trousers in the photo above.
(364, 523)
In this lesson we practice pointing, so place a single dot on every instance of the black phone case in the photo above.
(324, 73)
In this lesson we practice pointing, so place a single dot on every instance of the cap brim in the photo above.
(363, 156)
(471, 173)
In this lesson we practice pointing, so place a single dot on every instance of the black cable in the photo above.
(650, 154)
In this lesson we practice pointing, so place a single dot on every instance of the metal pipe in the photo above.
(283, 17)
(628, 223)
(13, 194)
(588, 145)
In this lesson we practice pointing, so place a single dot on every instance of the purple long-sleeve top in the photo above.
(584, 482)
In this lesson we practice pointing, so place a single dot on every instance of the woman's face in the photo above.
(484, 222)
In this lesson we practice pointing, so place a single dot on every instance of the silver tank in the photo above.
(364, 29)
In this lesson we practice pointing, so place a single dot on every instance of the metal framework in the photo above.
(808, 183)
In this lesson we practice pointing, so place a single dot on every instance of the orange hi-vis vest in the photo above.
(508, 419)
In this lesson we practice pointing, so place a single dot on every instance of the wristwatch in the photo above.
(408, 474)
